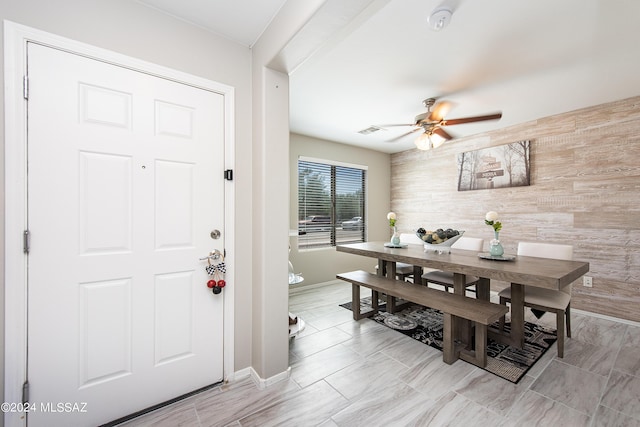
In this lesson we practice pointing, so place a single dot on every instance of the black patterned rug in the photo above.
(425, 325)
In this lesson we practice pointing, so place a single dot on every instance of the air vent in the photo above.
(370, 129)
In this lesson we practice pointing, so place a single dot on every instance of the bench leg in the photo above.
(481, 345)
(355, 303)
(478, 356)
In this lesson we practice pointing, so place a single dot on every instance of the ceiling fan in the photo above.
(432, 123)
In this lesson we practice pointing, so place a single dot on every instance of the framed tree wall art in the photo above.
(495, 167)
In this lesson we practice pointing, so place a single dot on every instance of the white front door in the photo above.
(125, 186)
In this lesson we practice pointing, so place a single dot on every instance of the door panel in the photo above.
(105, 331)
(174, 195)
(125, 184)
(174, 323)
(105, 203)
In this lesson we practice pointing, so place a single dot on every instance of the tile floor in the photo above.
(347, 373)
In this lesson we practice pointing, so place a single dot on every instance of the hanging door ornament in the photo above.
(216, 271)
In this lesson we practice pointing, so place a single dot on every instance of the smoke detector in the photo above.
(439, 18)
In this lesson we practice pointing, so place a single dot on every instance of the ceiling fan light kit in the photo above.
(439, 18)
(423, 142)
(427, 141)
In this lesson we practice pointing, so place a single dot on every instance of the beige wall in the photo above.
(321, 265)
(585, 187)
(126, 27)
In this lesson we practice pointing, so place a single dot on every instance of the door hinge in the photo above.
(228, 174)
(26, 241)
(25, 87)
(25, 392)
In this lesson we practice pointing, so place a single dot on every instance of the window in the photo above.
(331, 201)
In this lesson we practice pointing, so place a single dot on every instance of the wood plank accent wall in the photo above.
(585, 190)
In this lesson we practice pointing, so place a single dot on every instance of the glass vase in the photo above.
(495, 247)
(395, 237)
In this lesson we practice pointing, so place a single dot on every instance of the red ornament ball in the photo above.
(222, 283)
(211, 283)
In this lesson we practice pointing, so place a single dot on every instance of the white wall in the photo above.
(270, 349)
(321, 265)
(126, 27)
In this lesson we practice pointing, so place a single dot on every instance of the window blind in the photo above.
(331, 204)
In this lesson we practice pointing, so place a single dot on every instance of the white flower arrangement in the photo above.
(491, 218)
(391, 216)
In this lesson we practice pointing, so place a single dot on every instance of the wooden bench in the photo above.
(480, 312)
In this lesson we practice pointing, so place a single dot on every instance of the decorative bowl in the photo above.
(444, 246)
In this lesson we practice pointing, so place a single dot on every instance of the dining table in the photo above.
(517, 270)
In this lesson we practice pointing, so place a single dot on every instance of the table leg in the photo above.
(462, 326)
(391, 304)
(448, 342)
(459, 287)
(391, 270)
(355, 301)
(417, 275)
(382, 268)
(388, 271)
(483, 289)
(514, 338)
(517, 314)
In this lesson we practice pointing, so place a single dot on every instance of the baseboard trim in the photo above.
(605, 317)
(304, 287)
(240, 375)
(262, 383)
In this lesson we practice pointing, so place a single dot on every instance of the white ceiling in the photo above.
(241, 21)
(528, 59)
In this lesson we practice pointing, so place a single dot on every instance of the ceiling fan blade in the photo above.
(440, 111)
(464, 120)
(395, 125)
(397, 138)
(442, 133)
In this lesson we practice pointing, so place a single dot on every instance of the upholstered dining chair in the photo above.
(404, 270)
(445, 278)
(545, 299)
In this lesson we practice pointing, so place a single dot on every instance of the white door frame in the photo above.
(16, 37)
